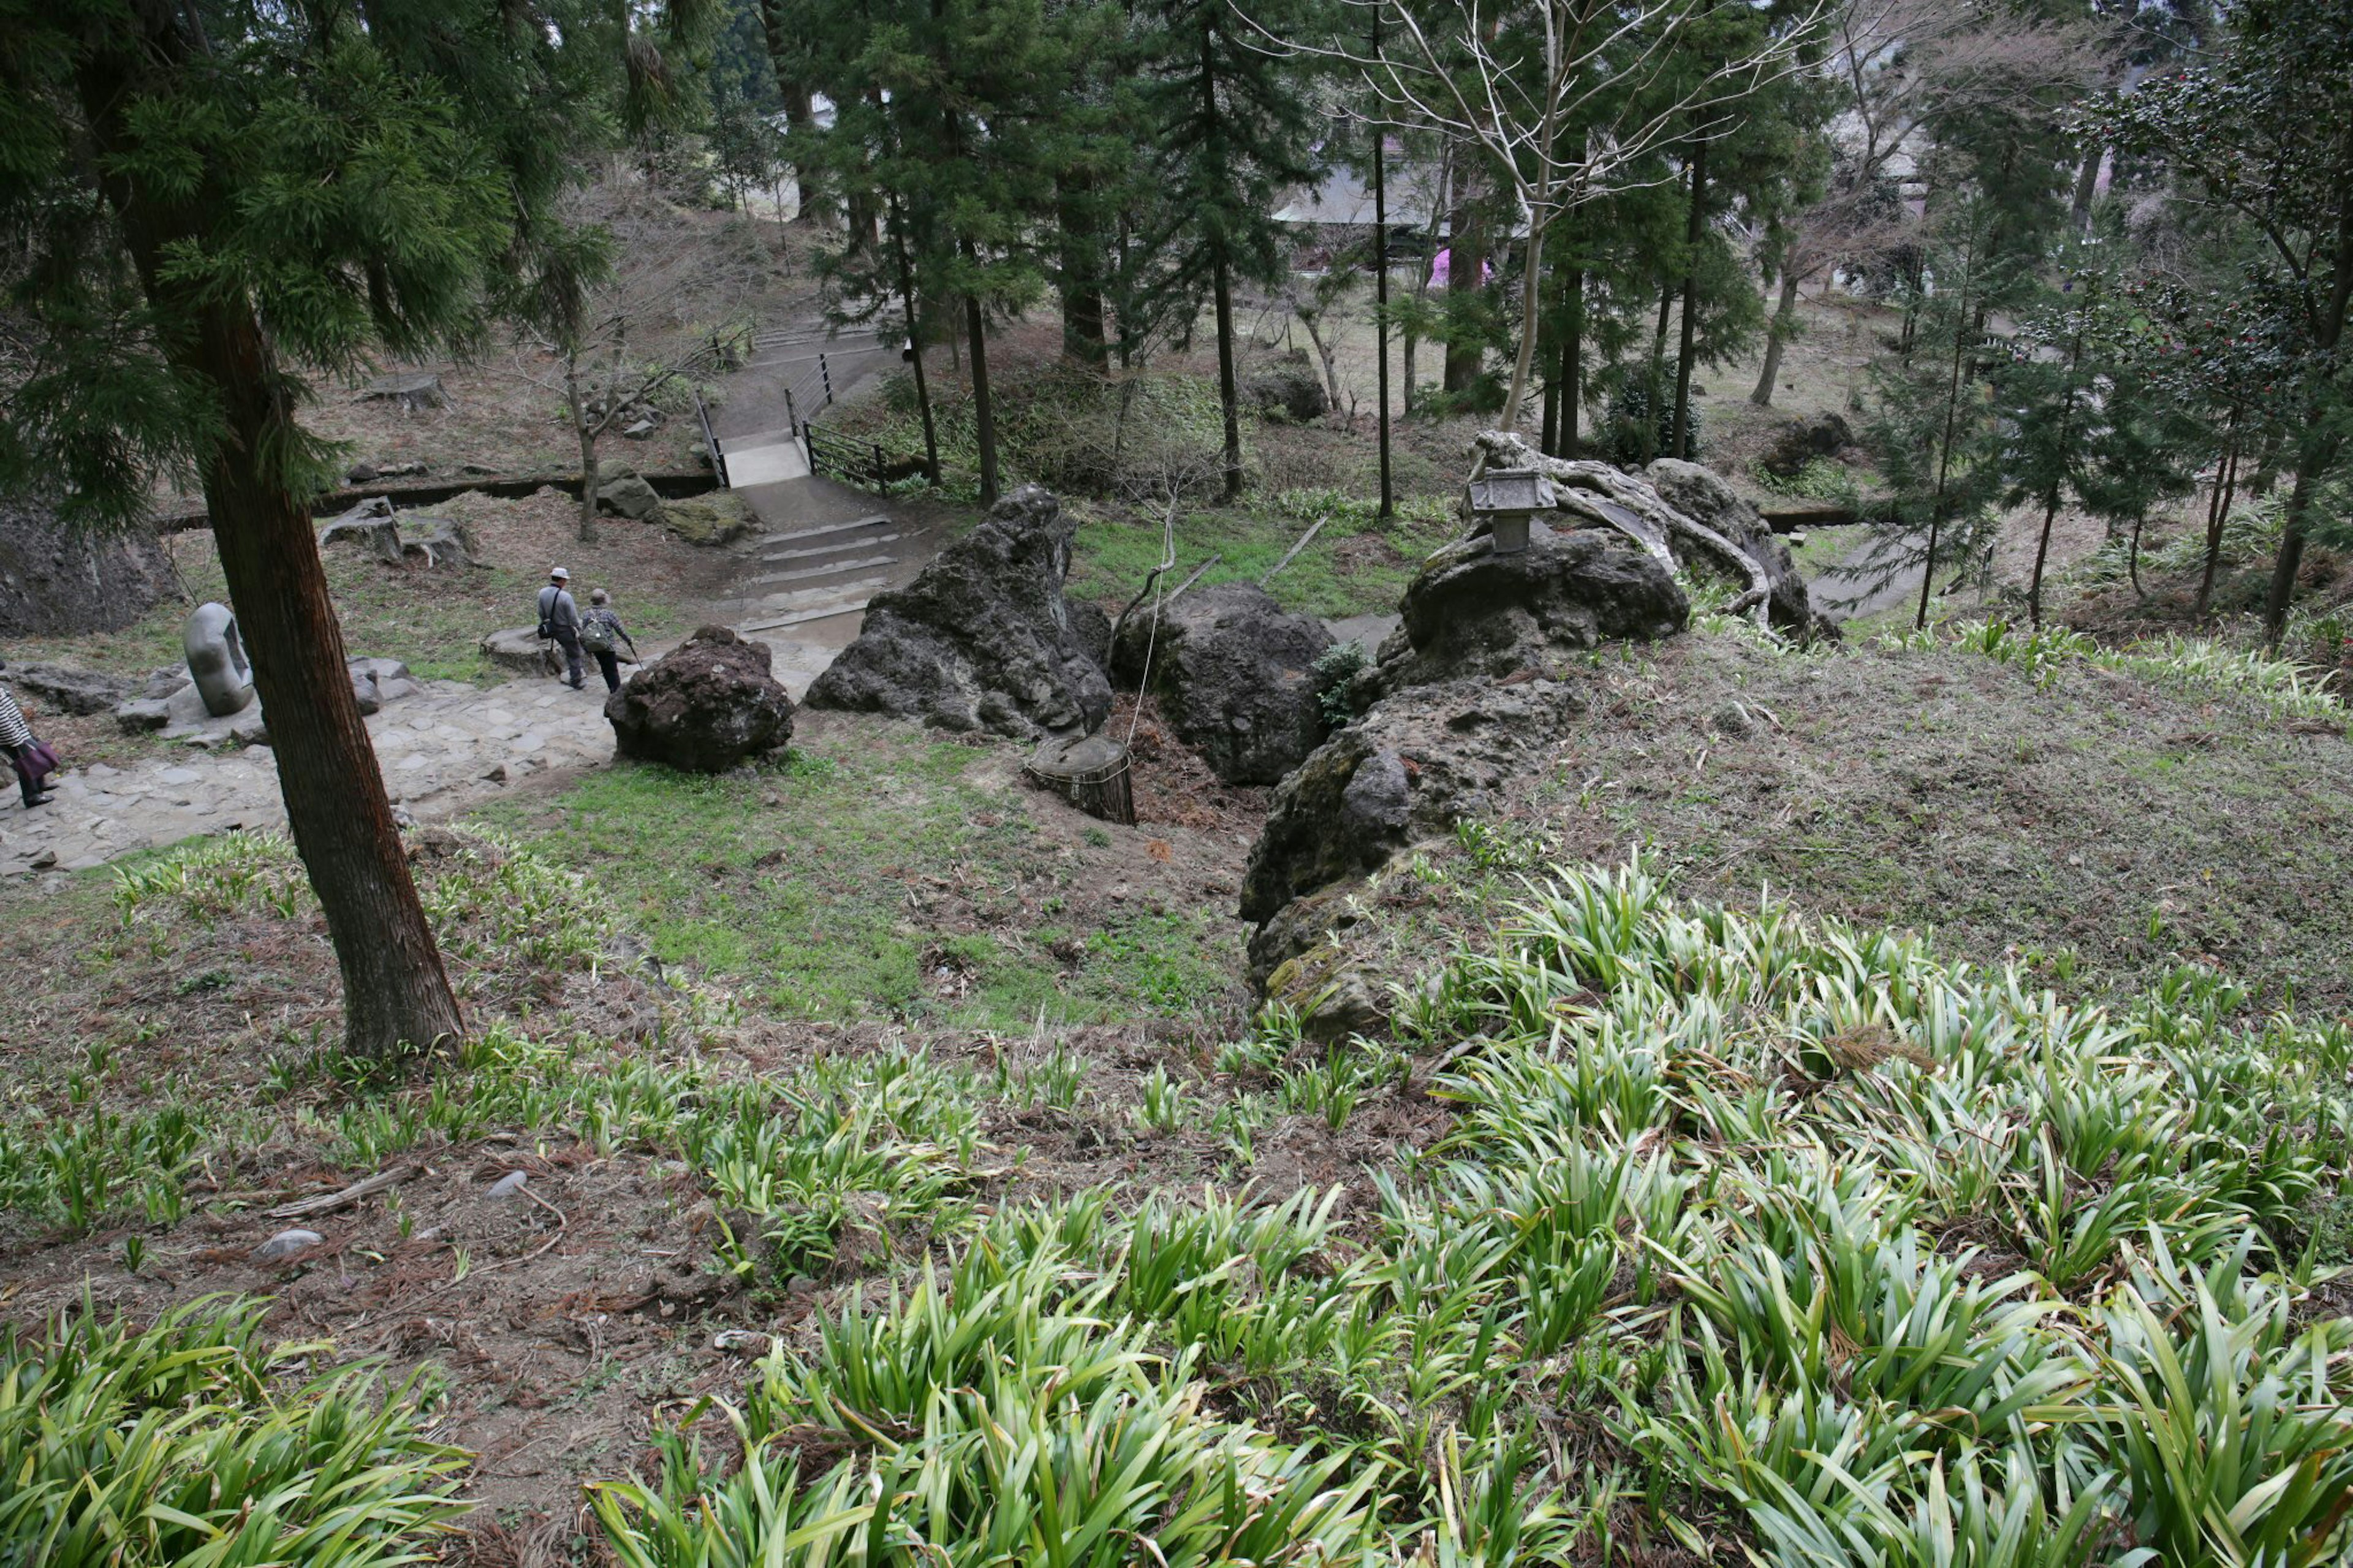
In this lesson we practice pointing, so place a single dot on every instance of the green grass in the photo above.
(1357, 565)
(432, 621)
(885, 883)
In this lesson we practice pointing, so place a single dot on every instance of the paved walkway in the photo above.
(447, 747)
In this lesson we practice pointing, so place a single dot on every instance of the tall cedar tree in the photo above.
(1935, 432)
(209, 197)
(1232, 131)
(943, 113)
(2263, 134)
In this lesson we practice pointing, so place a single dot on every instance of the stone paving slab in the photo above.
(452, 744)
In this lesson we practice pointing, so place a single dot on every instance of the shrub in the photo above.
(128, 1448)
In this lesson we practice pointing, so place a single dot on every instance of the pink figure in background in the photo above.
(1442, 263)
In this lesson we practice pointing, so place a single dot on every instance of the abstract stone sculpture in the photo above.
(217, 660)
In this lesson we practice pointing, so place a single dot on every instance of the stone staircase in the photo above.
(816, 573)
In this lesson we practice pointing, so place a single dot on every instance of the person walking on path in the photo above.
(559, 622)
(33, 761)
(602, 634)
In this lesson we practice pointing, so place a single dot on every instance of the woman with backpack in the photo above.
(601, 633)
(31, 758)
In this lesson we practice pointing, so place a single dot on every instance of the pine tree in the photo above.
(1935, 432)
(1231, 128)
(212, 201)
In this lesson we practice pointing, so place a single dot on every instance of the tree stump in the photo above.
(1091, 772)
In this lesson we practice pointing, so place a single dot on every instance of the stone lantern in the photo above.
(1506, 498)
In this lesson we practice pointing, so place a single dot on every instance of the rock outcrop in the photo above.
(60, 580)
(1471, 612)
(705, 706)
(64, 689)
(1748, 556)
(1702, 495)
(983, 639)
(1235, 673)
(1422, 760)
(1471, 697)
(372, 526)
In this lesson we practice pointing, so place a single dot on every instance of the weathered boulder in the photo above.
(1289, 388)
(437, 541)
(1802, 440)
(983, 639)
(1333, 996)
(1091, 624)
(143, 715)
(376, 681)
(370, 526)
(1745, 552)
(1423, 759)
(720, 518)
(1235, 673)
(1470, 611)
(705, 706)
(62, 581)
(66, 689)
(622, 491)
(520, 651)
(217, 660)
(412, 390)
(1702, 495)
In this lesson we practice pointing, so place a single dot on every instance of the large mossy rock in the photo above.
(1422, 760)
(983, 639)
(705, 706)
(1471, 612)
(1235, 673)
(720, 518)
(620, 489)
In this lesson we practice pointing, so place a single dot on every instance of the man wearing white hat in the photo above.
(559, 622)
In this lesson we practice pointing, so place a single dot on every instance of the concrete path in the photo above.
(447, 747)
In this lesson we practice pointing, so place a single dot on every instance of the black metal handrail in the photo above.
(832, 455)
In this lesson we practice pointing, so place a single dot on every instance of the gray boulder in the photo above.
(68, 690)
(1235, 673)
(1289, 389)
(705, 706)
(412, 390)
(143, 715)
(438, 542)
(1470, 611)
(1702, 495)
(518, 649)
(620, 489)
(983, 639)
(368, 525)
(376, 681)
